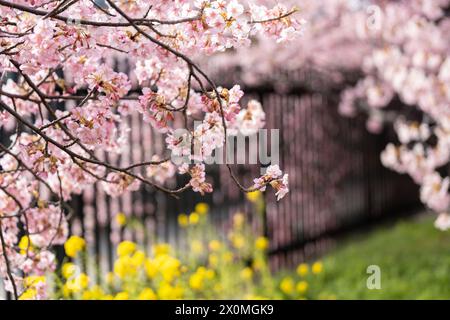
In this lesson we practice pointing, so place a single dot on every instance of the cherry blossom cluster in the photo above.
(401, 51)
(409, 60)
(63, 102)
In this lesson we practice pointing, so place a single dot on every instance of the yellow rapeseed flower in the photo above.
(210, 274)
(29, 294)
(317, 267)
(227, 256)
(183, 220)
(32, 281)
(124, 266)
(302, 286)
(121, 219)
(161, 249)
(302, 269)
(66, 290)
(254, 196)
(169, 292)
(215, 245)
(238, 220)
(94, 293)
(202, 208)
(217, 287)
(194, 218)
(169, 267)
(246, 273)
(258, 263)
(196, 246)
(254, 297)
(109, 278)
(196, 281)
(151, 268)
(68, 269)
(238, 241)
(74, 245)
(147, 294)
(138, 258)
(78, 283)
(213, 260)
(261, 243)
(126, 248)
(287, 285)
(122, 296)
(24, 244)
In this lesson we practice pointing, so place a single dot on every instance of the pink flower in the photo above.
(119, 183)
(443, 222)
(161, 172)
(198, 179)
(273, 176)
(434, 192)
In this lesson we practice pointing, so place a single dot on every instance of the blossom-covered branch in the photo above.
(59, 52)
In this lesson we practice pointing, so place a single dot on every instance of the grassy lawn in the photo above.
(414, 258)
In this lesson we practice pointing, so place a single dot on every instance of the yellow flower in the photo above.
(258, 263)
(261, 243)
(302, 269)
(210, 274)
(138, 258)
(161, 249)
(121, 219)
(183, 220)
(196, 281)
(218, 287)
(68, 269)
(66, 290)
(238, 241)
(168, 292)
(150, 268)
(287, 285)
(25, 244)
(197, 247)
(87, 295)
(238, 220)
(255, 297)
(32, 281)
(202, 208)
(213, 260)
(215, 245)
(83, 280)
(126, 248)
(247, 273)
(29, 294)
(147, 294)
(169, 267)
(317, 267)
(228, 256)
(94, 293)
(254, 196)
(124, 266)
(194, 218)
(78, 284)
(122, 296)
(109, 278)
(74, 245)
(302, 286)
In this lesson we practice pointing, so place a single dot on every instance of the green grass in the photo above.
(414, 258)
